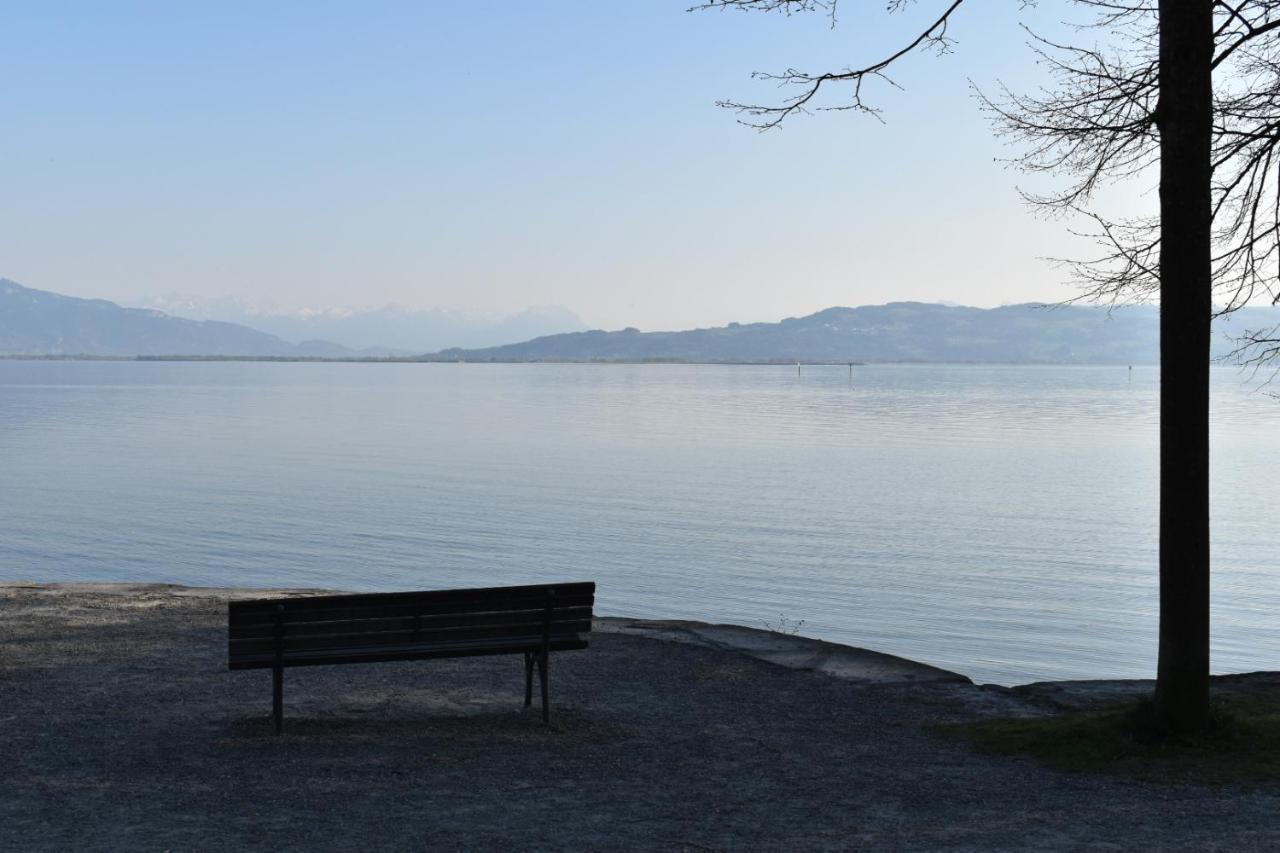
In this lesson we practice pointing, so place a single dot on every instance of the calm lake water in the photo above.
(999, 521)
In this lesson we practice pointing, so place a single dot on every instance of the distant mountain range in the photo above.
(35, 322)
(390, 327)
(38, 323)
(897, 332)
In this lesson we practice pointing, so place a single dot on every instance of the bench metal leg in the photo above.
(277, 671)
(528, 679)
(542, 677)
(277, 697)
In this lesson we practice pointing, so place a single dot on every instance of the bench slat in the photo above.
(298, 617)
(375, 654)
(296, 611)
(340, 640)
(355, 598)
(440, 601)
(426, 621)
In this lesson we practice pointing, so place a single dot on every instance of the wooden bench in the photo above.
(335, 629)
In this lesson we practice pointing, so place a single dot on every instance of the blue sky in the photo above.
(492, 155)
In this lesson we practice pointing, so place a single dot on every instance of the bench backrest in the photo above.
(405, 625)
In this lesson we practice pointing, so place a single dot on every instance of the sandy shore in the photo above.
(122, 729)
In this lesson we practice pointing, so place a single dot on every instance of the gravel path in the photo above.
(120, 729)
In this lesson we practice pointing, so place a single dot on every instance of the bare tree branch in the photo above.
(769, 116)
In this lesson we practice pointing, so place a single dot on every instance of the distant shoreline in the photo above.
(584, 361)
(422, 360)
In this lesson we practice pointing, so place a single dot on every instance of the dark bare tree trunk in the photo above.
(1185, 118)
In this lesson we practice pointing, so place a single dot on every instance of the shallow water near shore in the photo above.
(996, 521)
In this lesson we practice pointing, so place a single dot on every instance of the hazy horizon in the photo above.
(460, 158)
(197, 307)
